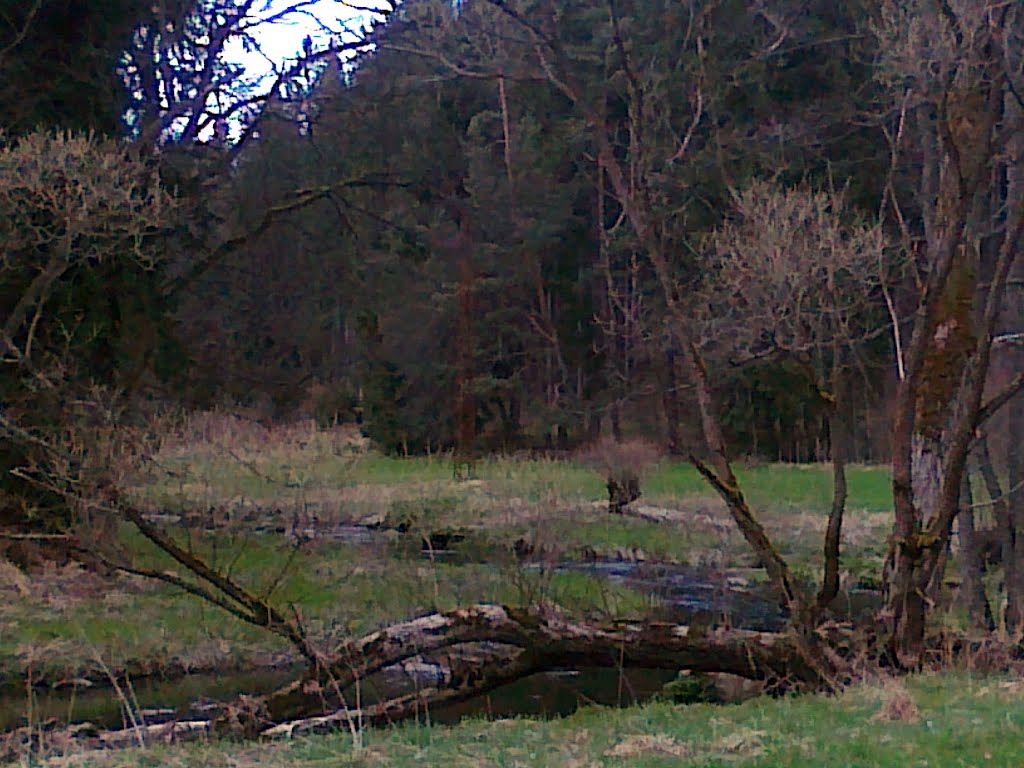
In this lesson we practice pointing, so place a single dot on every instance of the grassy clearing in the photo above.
(241, 476)
(69, 620)
(555, 505)
(287, 478)
(61, 622)
(932, 720)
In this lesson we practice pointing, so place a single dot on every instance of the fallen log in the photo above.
(142, 735)
(411, 705)
(535, 640)
(480, 648)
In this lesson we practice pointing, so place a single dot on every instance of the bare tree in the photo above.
(78, 211)
(658, 136)
(796, 277)
(952, 69)
(184, 79)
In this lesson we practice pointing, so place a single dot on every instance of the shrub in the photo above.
(623, 464)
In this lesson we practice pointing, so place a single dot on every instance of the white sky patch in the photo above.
(277, 45)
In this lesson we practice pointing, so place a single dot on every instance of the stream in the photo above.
(682, 594)
(547, 694)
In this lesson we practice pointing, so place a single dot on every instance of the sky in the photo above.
(281, 41)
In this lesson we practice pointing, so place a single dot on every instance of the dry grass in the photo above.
(897, 704)
(12, 580)
(611, 457)
(211, 433)
(642, 745)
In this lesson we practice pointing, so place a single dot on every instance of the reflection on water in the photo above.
(193, 697)
(158, 699)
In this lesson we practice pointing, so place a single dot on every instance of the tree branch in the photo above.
(997, 401)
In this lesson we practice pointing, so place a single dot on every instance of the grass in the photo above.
(69, 616)
(951, 719)
(58, 622)
(508, 499)
(186, 480)
(237, 470)
(242, 477)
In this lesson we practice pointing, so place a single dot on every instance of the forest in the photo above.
(531, 283)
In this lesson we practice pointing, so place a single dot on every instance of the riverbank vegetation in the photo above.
(487, 341)
(325, 526)
(945, 720)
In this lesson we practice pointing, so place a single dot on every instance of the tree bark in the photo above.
(839, 440)
(670, 399)
(972, 590)
(947, 363)
(1013, 551)
(528, 641)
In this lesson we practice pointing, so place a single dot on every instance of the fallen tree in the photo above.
(528, 641)
(937, 415)
(479, 648)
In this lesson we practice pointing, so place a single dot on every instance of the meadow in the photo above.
(946, 720)
(343, 536)
(286, 513)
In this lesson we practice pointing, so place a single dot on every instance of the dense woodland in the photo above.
(785, 231)
(471, 248)
(458, 234)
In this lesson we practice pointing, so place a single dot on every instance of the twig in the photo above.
(128, 708)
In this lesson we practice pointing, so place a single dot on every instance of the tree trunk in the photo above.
(972, 589)
(839, 442)
(914, 558)
(1013, 554)
(616, 421)
(1013, 520)
(670, 398)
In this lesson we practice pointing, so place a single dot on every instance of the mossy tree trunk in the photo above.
(960, 133)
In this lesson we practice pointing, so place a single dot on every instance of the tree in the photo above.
(794, 279)
(78, 214)
(961, 72)
(954, 76)
(93, 271)
(58, 63)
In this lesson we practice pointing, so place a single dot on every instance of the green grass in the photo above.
(202, 478)
(66, 620)
(338, 588)
(959, 721)
(343, 589)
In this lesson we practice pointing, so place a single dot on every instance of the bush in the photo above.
(82, 255)
(418, 514)
(692, 688)
(623, 465)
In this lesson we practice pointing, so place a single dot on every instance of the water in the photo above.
(685, 594)
(195, 697)
(159, 700)
(688, 594)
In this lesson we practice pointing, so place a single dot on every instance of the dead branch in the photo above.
(997, 401)
(21, 34)
(245, 605)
